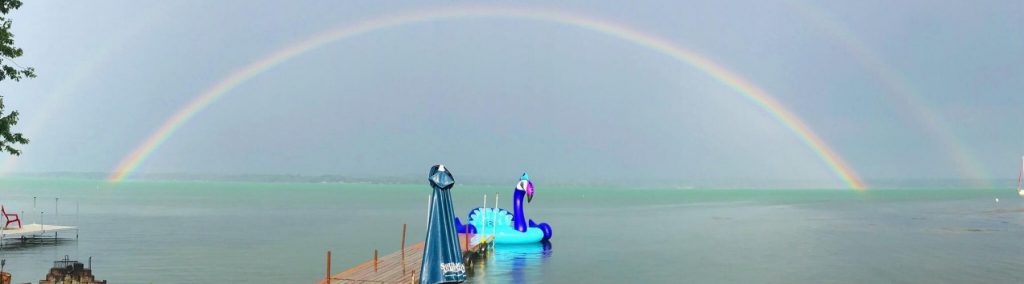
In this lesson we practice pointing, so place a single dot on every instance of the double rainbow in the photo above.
(743, 87)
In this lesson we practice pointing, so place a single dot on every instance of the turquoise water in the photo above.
(208, 232)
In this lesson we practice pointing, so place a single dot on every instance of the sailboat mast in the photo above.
(1021, 174)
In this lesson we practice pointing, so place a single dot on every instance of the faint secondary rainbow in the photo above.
(898, 88)
(59, 97)
(759, 97)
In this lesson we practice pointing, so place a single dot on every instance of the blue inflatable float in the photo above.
(507, 227)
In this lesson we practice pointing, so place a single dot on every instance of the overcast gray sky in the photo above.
(898, 89)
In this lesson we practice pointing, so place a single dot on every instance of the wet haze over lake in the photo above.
(211, 232)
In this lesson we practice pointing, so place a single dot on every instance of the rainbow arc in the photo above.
(743, 87)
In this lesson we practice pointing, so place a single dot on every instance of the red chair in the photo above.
(8, 216)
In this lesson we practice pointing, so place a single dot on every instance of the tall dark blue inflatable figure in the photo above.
(442, 254)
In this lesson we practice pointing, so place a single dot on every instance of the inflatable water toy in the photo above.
(508, 227)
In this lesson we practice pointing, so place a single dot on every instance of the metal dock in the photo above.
(34, 232)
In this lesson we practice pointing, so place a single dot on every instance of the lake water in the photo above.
(215, 232)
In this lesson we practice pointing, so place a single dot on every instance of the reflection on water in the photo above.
(28, 244)
(694, 236)
(518, 263)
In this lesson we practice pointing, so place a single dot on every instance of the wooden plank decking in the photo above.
(391, 268)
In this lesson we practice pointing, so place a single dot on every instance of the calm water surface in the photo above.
(212, 232)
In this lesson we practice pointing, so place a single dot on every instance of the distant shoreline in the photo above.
(490, 181)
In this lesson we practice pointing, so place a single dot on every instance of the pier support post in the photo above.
(403, 248)
(403, 244)
(374, 260)
(328, 278)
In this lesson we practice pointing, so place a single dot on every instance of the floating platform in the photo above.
(35, 231)
(403, 266)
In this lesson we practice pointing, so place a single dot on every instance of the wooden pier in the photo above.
(401, 266)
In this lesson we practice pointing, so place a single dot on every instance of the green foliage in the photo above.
(9, 69)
